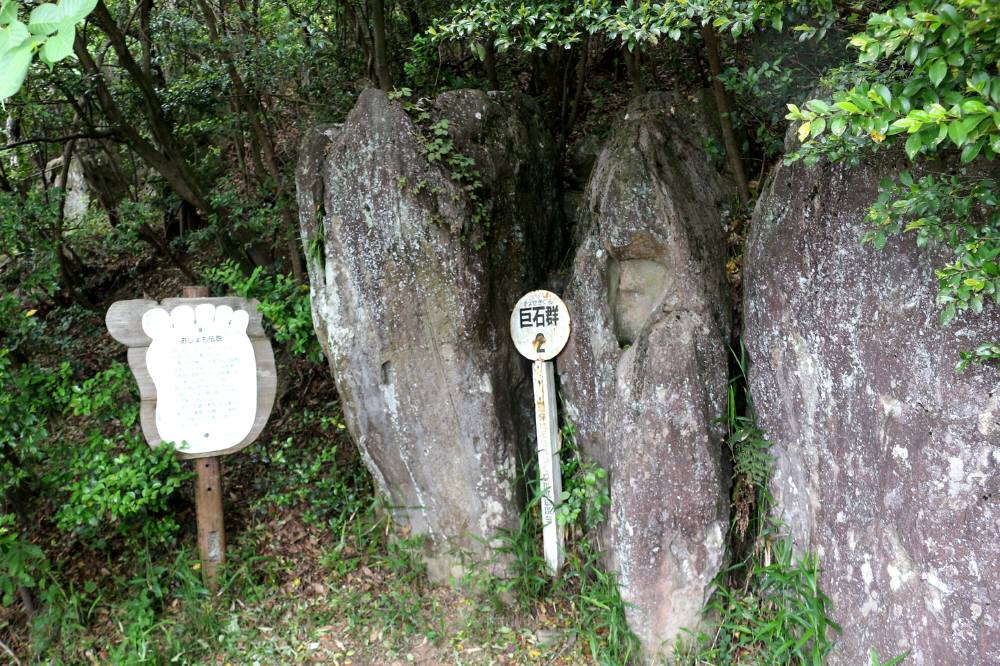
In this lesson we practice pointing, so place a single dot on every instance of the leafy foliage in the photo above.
(283, 301)
(960, 212)
(926, 70)
(779, 617)
(927, 73)
(50, 32)
(26, 234)
(585, 497)
(21, 563)
(530, 26)
(593, 592)
(750, 452)
(115, 482)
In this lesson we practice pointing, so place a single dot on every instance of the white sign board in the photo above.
(539, 325)
(203, 366)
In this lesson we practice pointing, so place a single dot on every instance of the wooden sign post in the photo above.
(207, 383)
(539, 326)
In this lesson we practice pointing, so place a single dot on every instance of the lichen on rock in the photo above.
(886, 460)
(645, 372)
(413, 317)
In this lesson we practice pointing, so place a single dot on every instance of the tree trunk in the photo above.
(4, 181)
(634, 68)
(490, 62)
(159, 125)
(178, 177)
(70, 266)
(167, 160)
(381, 57)
(249, 102)
(725, 113)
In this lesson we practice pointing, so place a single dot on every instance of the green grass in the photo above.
(778, 616)
(768, 608)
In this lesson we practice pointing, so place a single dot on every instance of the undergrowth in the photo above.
(593, 610)
(768, 607)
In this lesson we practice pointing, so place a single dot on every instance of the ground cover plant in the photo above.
(316, 571)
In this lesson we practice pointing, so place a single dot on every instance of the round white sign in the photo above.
(539, 325)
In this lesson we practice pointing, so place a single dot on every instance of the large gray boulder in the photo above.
(645, 372)
(411, 292)
(886, 459)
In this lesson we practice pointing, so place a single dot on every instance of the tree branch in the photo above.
(58, 139)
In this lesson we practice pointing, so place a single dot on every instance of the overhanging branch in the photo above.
(57, 139)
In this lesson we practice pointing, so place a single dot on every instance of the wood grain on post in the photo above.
(208, 501)
(211, 529)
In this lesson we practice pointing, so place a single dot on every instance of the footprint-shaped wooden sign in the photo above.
(205, 371)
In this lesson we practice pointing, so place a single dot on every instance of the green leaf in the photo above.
(904, 124)
(818, 106)
(974, 106)
(957, 132)
(937, 71)
(913, 145)
(12, 36)
(975, 283)
(947, 314)
(59, 45)
(14, 67)
(950, 14)
(883, 93)
(44, 19)
(850, 107)
(971, 151)
(77, 10)
(8, 11)
(838, 125)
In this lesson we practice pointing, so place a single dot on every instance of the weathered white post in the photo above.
(539, 326)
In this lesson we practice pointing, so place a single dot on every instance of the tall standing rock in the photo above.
(886, 459)
(411, 291)
(645, 372)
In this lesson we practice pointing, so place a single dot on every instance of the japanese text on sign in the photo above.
(539, 315)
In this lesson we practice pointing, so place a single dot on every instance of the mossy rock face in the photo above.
(412, 292)
(645, 372)
(886, 460)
